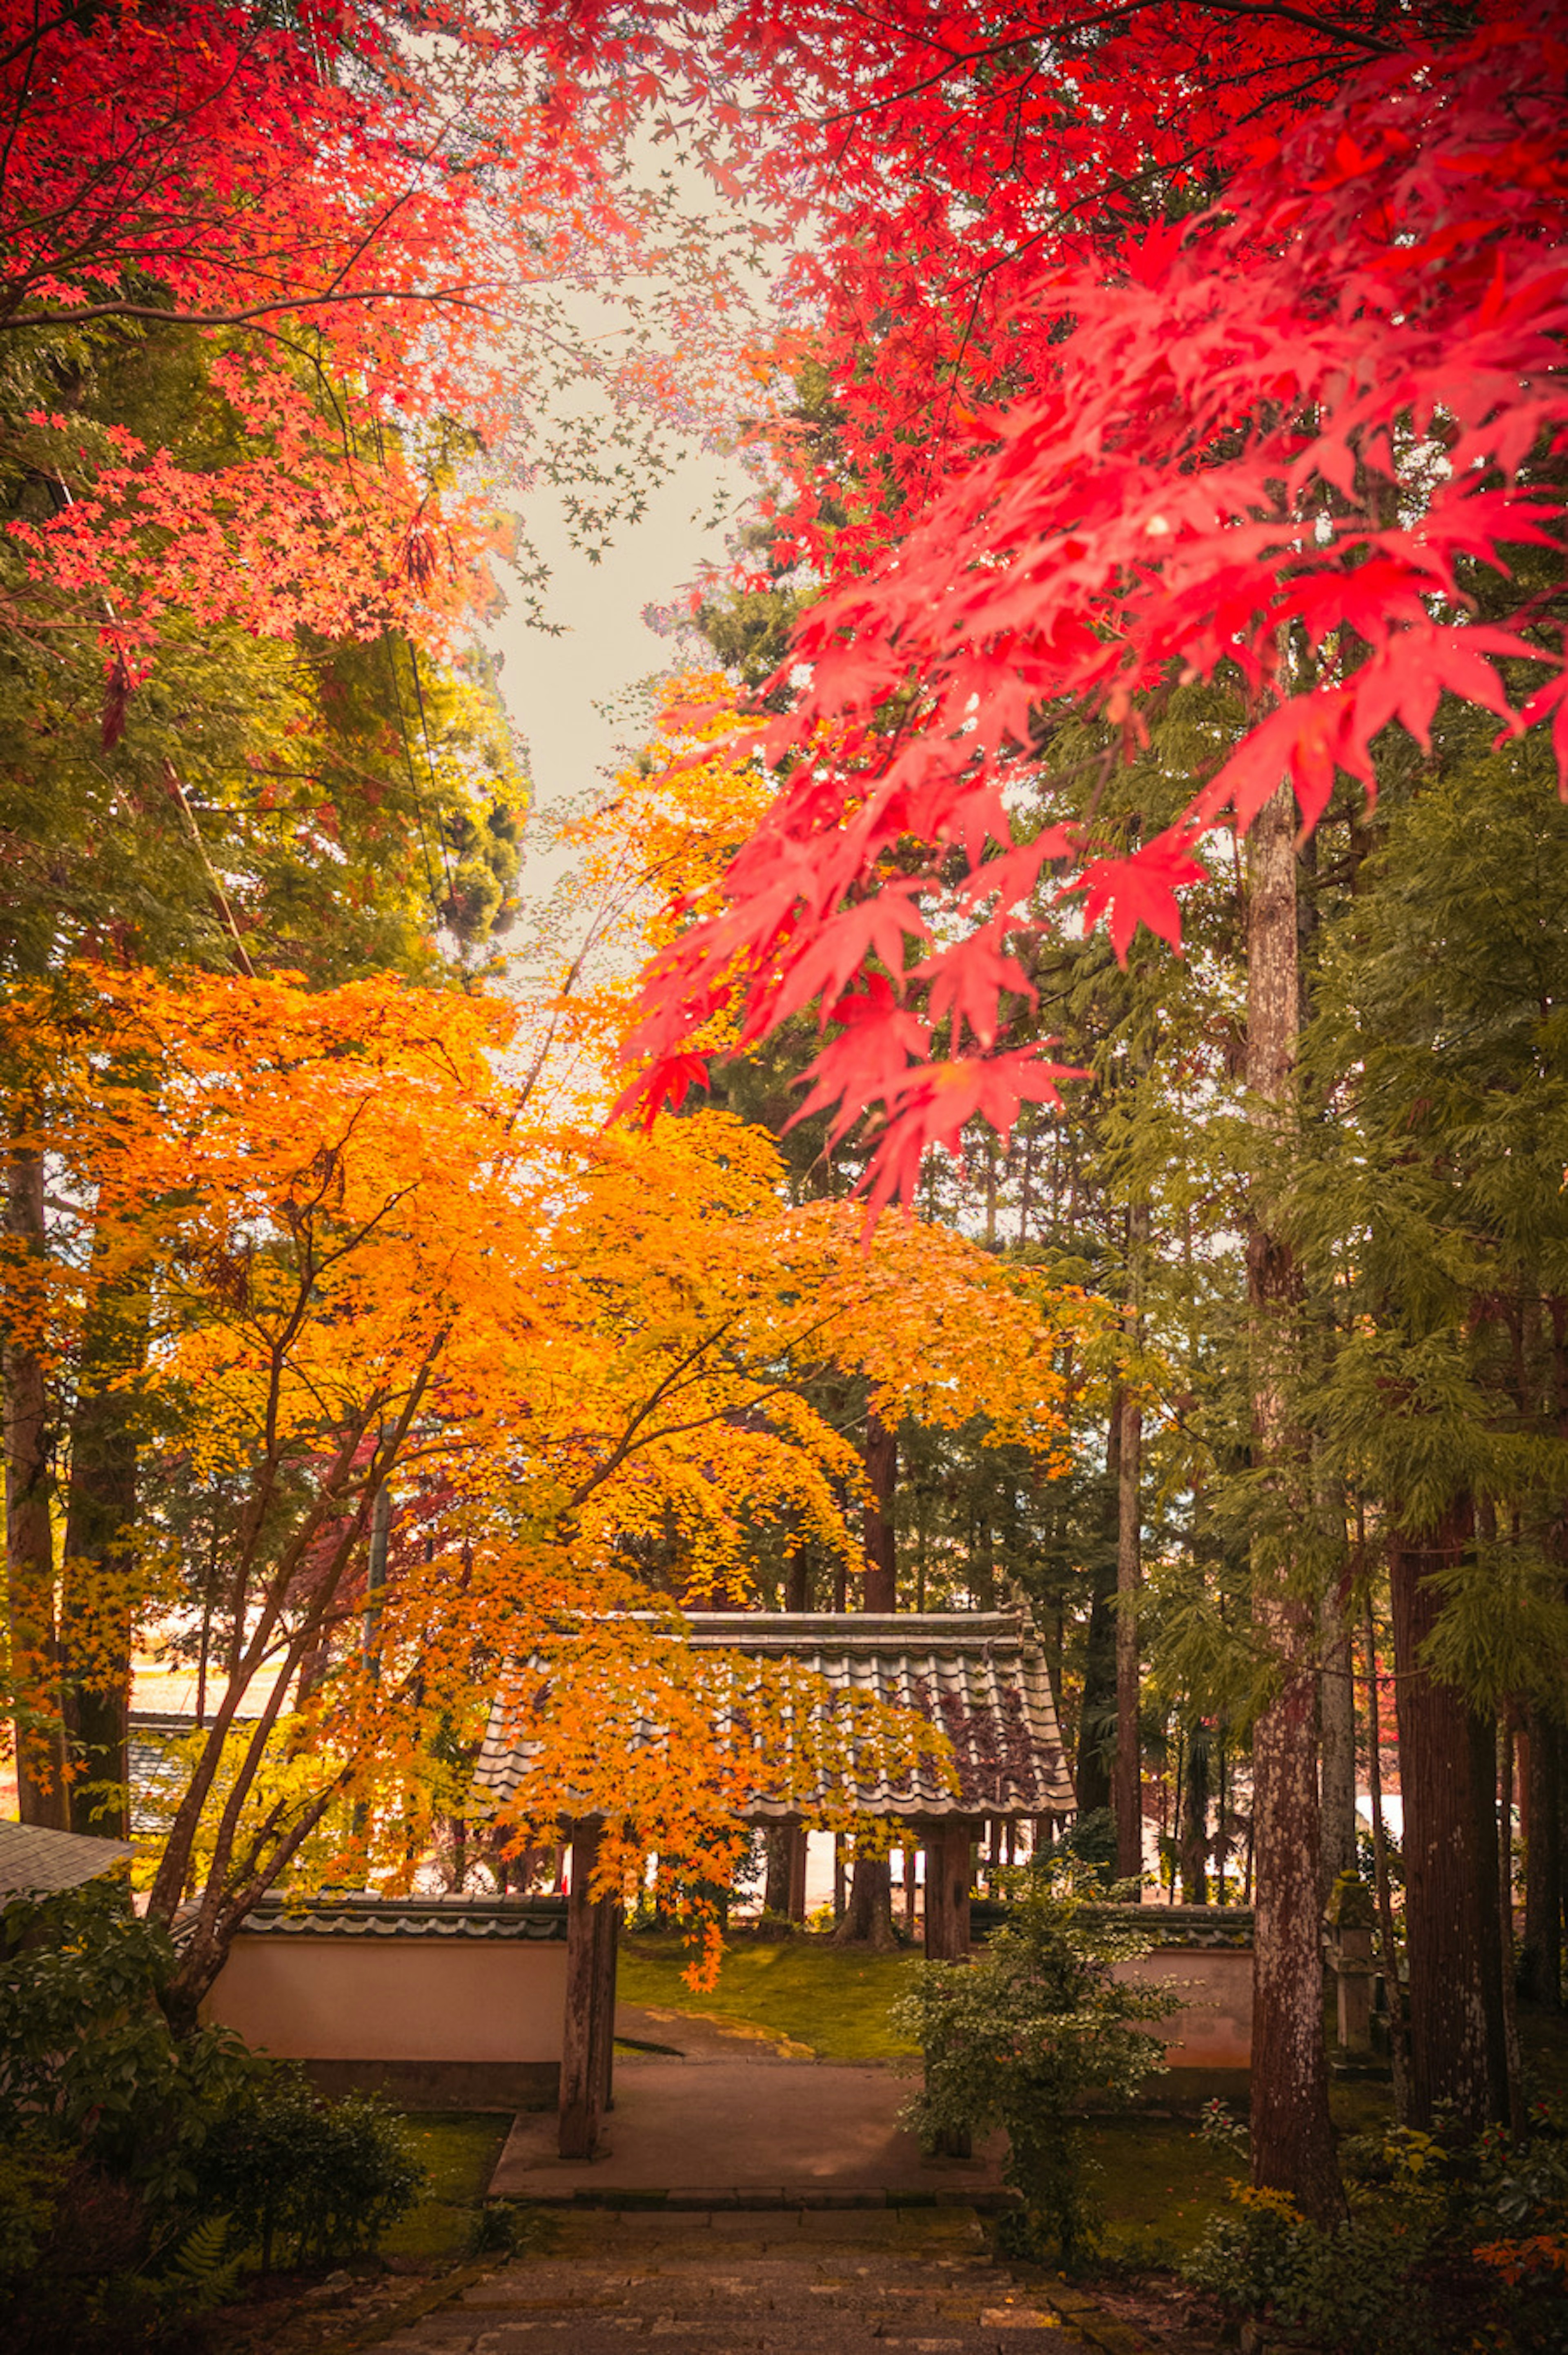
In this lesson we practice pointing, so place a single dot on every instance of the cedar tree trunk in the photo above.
(1292, 2140)
(98, 1584)
(1127, 1779)
(1337, 1772)
(1447, 1768)
(1092, 1777)
(881, 1589)
(1540, 1956)
(867, 1918)
(29, 1539)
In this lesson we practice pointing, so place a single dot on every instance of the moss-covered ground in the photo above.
(831, 2001)
(458, 2150)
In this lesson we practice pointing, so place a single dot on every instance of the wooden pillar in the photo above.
(797, 1872)
(587, 2042)
(949, 1866)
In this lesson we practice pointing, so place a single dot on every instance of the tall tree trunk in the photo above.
(1093, 1776)
(881, 1589)
(1447, 1769)
(1127, 1779)
(1292, 2139)
(1393, 1993)
(29, 1537)
(779, 1848)
(1195, 1819)
(99, 1585)
(866, 1919)
(1337, 1772)
(1540, 1955)
(1516, 2117)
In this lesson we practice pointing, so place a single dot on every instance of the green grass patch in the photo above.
(460, 2149)
(832, 1999)
(1160, 2185)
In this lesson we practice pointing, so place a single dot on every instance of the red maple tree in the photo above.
(1167, 345)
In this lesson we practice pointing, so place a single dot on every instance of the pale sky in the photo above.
(552, 685)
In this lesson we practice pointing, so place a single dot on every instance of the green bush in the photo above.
(323, 2179)
(1447, 2247)
(1350, 2288)
(87, 2064)
(1019, 2037)
(31, 2177)
(135, 2167)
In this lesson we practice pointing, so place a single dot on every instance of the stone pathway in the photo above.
(732, 2283)
(754, 2131)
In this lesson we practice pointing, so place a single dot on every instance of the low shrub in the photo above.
(1020, 2036)
(1447, 2246)
(295, 2173)
(136, 2168)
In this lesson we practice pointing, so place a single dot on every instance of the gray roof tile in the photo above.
(440, 1920)
(33, 1861)
(980, 1677)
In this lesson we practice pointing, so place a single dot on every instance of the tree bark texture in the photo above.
(589, 2037)
(1292, 2139)
(1337, 1770)
(948, 1870)
(1447, 1768)
(1126, 1778)
(881, 1589)
(1393, 1994)
(1093, 1775)
(29, 1537)
(99, 1582)
(1541, 1952)
(867, 1919)
(776, 1881)
(1195, 1819)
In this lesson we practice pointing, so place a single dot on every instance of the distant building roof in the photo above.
(33, 1862)
(978, 1676)
(158, 1774)
(439, 1920)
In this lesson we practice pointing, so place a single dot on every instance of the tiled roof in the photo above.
(33, 1861)
(980, 1677)
(358, 1915)
(158, 1778)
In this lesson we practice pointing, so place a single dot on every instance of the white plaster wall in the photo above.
(1214, 2029)
(312, 1998)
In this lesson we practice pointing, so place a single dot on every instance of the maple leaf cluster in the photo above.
(1180, 349)
(369, 223)
(359, 1256)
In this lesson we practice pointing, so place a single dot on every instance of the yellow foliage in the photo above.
(364, 1261)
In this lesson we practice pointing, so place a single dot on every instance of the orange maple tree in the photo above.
(369, 1267)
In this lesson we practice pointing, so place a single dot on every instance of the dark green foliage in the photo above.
(87, 2064)
(1348, 2288)
(1019, 2037)
(31, 2175)
(497, 2230)
(1444, 2249)
(138, 2169)
(1088, 1843)
(311, 2178)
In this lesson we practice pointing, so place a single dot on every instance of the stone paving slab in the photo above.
(606, 2283)
(721, 2132)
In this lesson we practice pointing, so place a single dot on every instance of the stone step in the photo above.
(727, 2285)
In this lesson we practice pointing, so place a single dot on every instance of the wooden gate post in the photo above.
(588, 2040)
(948, 1874)
(796, 1872)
